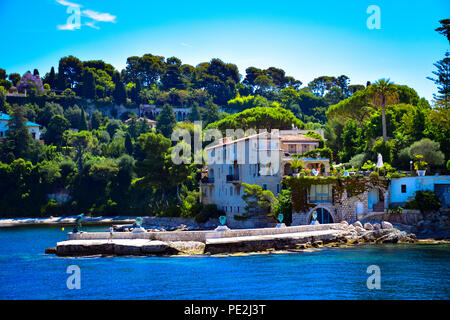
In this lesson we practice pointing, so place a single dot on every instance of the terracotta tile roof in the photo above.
(297, 137)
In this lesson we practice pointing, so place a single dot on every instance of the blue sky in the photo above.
(305, 38)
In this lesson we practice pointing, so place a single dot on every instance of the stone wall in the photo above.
(200, 235)
(174, 222)
(348, 209)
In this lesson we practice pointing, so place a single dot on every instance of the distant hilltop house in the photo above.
(151, 111)
(151, 122)
(233, 162)
(33, 128)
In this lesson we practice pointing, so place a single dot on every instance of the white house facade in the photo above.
(259, 159)
(33, 128)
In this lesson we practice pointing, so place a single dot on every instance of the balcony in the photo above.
(207, 180)
(233, 178)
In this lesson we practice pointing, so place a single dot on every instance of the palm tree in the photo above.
(296, 163)
(384, 93)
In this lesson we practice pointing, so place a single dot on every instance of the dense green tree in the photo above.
(128, 144)
(96, 119)
(119, 93)
(18, 142)
(113, 126)
(258, 201)
(88, 84)
(14, 78)
(442, 81)
(45, 114)
(166, 121)
(69, 72)
(211, 114)
(444, 29)
(195, 114)
(3, 100)
(430, 151)
(157, 168)
(55, 130)
(259, 118)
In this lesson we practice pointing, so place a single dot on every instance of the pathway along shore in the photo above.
(230, 241)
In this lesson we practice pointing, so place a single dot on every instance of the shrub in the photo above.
(395, 175)
(419, 164)
(374, 174)
(171, 211)
(425, 201)
(384, 148)
(358, 160)
(208, 211)
(448, 165)
(430, 151)
(315, 135)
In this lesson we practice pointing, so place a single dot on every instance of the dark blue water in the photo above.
(407, 272)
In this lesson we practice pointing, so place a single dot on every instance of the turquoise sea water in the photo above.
(407, 272)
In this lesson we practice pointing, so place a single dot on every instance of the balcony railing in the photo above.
(320, 198)
(232, 178)
(206, 180)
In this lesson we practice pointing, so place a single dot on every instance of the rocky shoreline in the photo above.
(58, 221)
(338, 235)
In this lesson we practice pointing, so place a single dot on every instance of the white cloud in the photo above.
(69, 4)
(98, 16)
(92, 25)
(184, 44)
(70, 27)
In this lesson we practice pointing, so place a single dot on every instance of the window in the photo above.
(231, 191)
(320, 193)
(264, 186)
(403, 188)
(231, 209)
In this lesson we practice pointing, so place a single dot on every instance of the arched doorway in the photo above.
(323, 216)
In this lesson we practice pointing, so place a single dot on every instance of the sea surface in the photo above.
(406, 272)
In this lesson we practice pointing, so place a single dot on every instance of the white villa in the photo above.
(151, 111)
(262, 159)
(33, 128)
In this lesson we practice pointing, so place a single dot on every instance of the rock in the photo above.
(386, 225)
(317, 243)
(154, 247)
(344, 223)
(370, 236)
(360, 230)
(358, 224)
(351, 227)
(368, 226)
(187, 247)
(376, 226)
(51, 250)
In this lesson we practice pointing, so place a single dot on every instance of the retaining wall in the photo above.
(200, 235)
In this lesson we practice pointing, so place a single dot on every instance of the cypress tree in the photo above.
(83, 120)
(166, 120)
(18, 140)
(128, 144)
(195, 113)
(119, 93)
